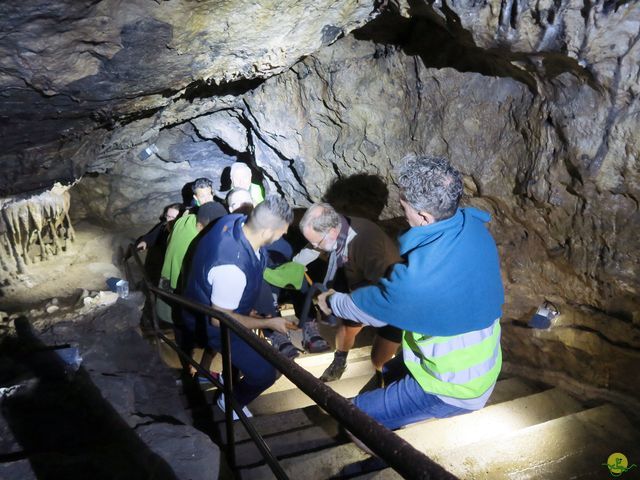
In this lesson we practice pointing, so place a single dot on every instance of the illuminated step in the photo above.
(295, 398)
(310, 429)
(437, 436)
(355, 368)
(575, 446)
(322, 360)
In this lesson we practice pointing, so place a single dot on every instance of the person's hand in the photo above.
(278, 324)
(142, 246)
(323, 303)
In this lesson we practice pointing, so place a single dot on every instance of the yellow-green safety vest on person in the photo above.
(461, 366)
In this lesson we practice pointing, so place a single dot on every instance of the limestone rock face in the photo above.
(69, 67)
(114, 402)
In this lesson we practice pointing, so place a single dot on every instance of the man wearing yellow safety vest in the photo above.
(446, 296)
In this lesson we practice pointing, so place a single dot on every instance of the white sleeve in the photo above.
(306, 256)
(227, 286)
(342, 306)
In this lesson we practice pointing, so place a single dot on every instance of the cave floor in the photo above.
(87, 263)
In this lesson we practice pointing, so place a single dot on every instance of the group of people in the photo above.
(434, 296)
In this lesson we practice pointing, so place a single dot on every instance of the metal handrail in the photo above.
(395, 451)
(273, 463)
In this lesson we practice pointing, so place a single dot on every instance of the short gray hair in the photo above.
(430, 184)
(321, 217)
(239, 167)
(238, 196)
(273, 212)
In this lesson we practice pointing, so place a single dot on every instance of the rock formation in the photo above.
(84, 395)
(39, 222)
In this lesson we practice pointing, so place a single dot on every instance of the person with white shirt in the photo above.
(226, 272)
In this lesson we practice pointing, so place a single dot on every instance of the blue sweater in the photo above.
(450, 283)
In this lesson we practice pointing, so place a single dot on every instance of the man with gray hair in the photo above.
(241, 178)
(365, 254)
(226, 272)
(239, 201)
(447, 297)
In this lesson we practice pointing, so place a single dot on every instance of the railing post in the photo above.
(227, 375)
(398, 454)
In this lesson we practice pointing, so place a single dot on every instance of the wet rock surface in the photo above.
(114, 414)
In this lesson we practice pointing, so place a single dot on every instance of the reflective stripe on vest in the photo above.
(462, 366)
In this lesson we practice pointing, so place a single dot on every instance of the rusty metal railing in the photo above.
(396, 452)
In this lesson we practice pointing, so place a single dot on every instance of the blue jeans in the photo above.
(258, 374)
(403, 401)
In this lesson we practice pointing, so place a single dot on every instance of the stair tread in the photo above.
(591, 435)
(355, 368)
(483, 424)
(574, 446)
(295, 398)
(309, 360)
(491, 421)
(284, 435)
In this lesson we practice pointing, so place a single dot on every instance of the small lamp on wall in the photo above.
(544, 315)
(147, 152)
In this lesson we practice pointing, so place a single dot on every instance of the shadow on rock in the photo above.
(60, 422)
(362, 195)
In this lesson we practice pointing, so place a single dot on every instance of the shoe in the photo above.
(202, 380)
(311, 338)
(282, 343)
(334, 371)
(220, 403)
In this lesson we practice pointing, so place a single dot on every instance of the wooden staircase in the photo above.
(526, 431)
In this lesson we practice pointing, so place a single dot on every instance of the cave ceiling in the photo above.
(69, 67)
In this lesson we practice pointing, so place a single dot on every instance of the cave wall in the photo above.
(69, 68)
(535, 102)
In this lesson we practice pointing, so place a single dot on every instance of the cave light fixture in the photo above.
(544, 316)
(147, 152)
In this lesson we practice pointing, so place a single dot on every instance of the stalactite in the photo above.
(41, 219)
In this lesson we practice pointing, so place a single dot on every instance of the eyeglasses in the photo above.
(317, 244)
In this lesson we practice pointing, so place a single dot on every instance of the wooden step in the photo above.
(356, 367)
(310, 360)
(291, 433)
(435, 436)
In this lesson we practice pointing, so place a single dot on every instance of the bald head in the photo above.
(320, 217)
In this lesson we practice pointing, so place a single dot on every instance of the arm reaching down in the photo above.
(280, 324)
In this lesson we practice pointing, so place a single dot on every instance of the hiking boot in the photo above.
(334, 371)
(282, 343)
(311, 338)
